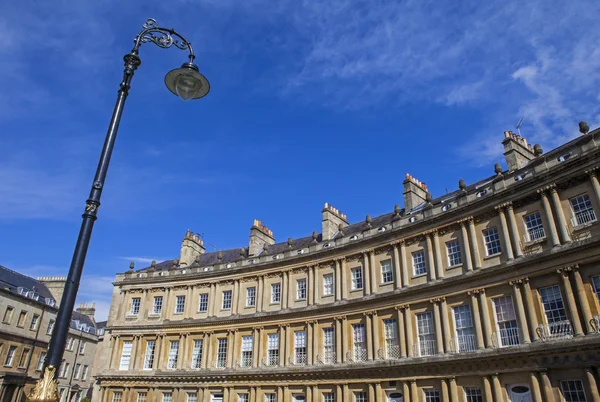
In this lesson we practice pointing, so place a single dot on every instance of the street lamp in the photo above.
(185, 82)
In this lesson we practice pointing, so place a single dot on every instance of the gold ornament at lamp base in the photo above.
(46, 389)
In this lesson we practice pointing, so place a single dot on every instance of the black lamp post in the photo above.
(185, 82)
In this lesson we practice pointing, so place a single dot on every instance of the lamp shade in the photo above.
(187, 82)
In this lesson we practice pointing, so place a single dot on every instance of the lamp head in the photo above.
(187, 82)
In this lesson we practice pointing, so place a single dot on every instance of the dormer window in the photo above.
(229, 265)
(381, 229)
(564, 157)
(521, 176)
(276, 257)
(481, 193)
(412, 219)
(353, 237)
(326, 245)
(446, 207)
(252, 261)
(205, 269)
(300, 252)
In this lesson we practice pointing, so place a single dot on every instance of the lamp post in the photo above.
(185, 82)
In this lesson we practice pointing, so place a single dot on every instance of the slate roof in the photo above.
(14, 280)
(232, 255)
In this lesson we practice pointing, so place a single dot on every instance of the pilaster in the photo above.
(560, 214)
(543, 192)
(445, 324)
(466, 248)
(521, 318)
(505, 235)
(570, 300)
(397, 266)
(366, 274)
(439, 267)
(531, 314)
(439, 340)
(582, 299)
(474, 246)
(430, 258)
(477, 319)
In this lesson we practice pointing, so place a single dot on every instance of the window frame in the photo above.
(226, 299)
(203, 302)
(179, 304)
(328, 285)
(173, 355)
(251, 296)
(534, 226)
(387, 272)
(491, 241)
(276, 291)
(454, 253)
(357, 278)
(157, 304)
(136, 302)
(419, 263)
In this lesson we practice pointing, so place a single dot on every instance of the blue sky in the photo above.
(311, 101)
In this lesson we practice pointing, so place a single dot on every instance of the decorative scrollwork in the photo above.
(161, 37)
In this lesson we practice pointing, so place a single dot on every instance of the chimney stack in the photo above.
(517, 151)
(87, 309)
(332, 221)
(192, 246)
(55, 284)
(259, 236)
(415, 192)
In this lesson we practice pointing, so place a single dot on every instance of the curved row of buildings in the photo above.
(489, 293)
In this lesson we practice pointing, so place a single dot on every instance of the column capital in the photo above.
(516, 282)
(368, 251)
(338, 259)
(543, 191)
(592, 172)
(403, 307)
(258, 328)
(396, 243)
(437, 300)
(504, 206)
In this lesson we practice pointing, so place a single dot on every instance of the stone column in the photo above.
(445, 393)
(291, 291)
(282, 348)
(213, 299)
(593, 174)
(373, 271)
(338, 280)
(134, 350)
(284, 290)
(498, 395)
(371, 392)
(582, 299)
(505, 235)
(369, 340)
(430, 259)
(255, 347)
(592, 386)
(531, 315)
(474, 247)
(346, 393)
(379, 396)
(404, 264)
(188, 302)
(260, 290)
(401, 331)
(338, 393)
(560, 214)
(315, 341)
(570, 301)
(253, 395)
(485, 312)
(338, 340)
(439, 268)
(115, 352)
(309, 342)
(366, 274)
(310, 285)
(406, 391)
(345, 333)
(316, 284)
(535, 387)
(466, 249)
(343, 275)
(514, 233)
(230, 347)
(547, 387)
(453, 389)
(226, 394)
(445, 324)
(409, 331)
(414, 391)
(397, 266)
(308, 392)
(551, 229)
(181, 360)
(487, 390)
(205, 350)
(521, 318)
(375, 322)
(477, 319)
(438, 326)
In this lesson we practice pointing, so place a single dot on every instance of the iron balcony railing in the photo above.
(426, 347)
(327, 358)
(555, 330)
(465, 343)
(583, 218)
(534, 234)
(509, 336)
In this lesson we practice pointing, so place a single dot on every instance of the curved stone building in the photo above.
(489, 293)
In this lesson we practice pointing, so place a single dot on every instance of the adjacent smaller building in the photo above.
(28, 311)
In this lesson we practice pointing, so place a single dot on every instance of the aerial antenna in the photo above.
(214, 247)
(519, 126)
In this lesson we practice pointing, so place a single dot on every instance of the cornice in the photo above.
(573, 352)
(559, 174)
(530, 266)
